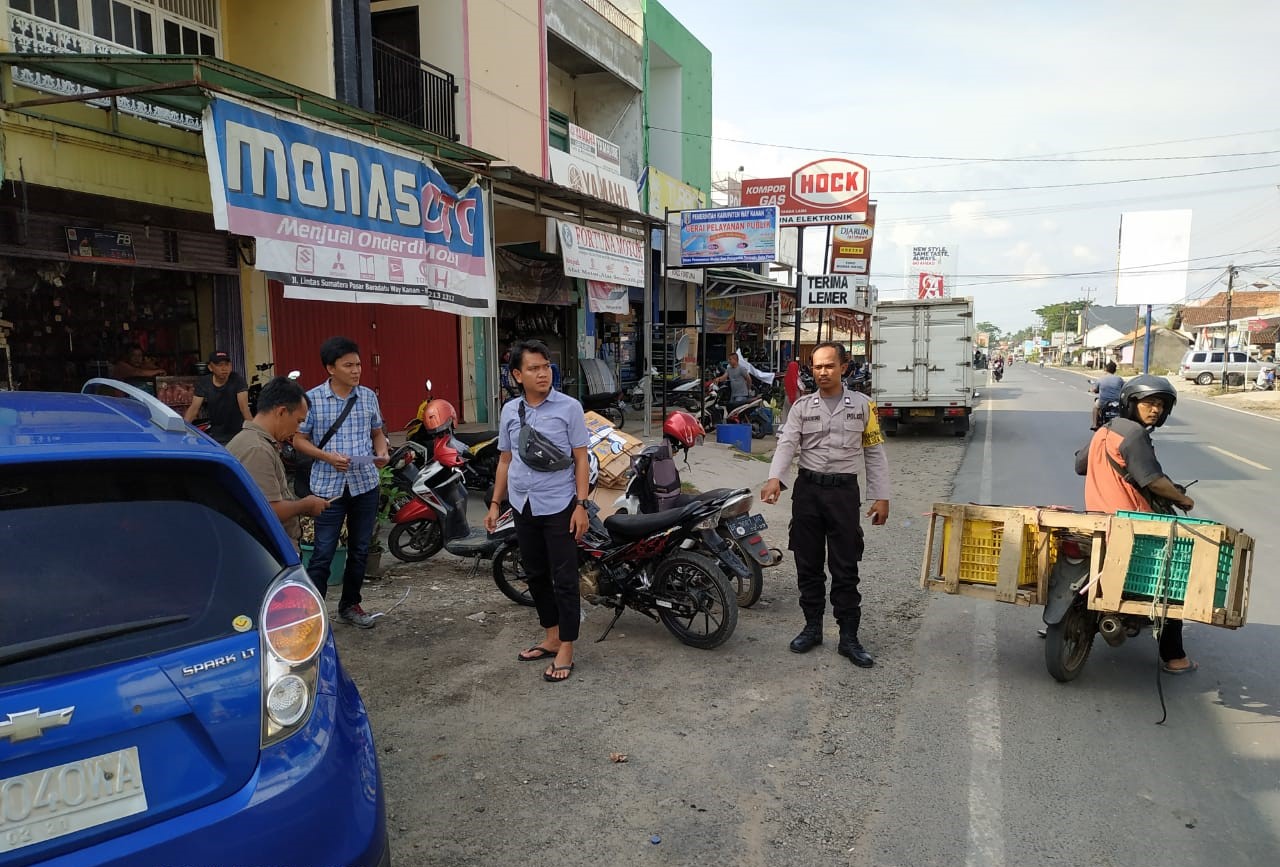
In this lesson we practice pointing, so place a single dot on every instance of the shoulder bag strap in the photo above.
(342, 416)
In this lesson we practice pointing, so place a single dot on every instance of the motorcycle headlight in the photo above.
(708, 523)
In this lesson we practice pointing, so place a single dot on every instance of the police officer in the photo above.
(834, 431)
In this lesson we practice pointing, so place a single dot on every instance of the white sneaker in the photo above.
(355, 616)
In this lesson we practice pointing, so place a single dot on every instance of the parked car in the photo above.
(169, 688)
(1204, 366)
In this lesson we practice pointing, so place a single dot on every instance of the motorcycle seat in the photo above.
(475, 437)
(715, 494)
(630, 527)
(476, 543)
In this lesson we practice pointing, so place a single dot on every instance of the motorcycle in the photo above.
(738, 528)
(256, 384)
(640, 562)
(1108, 411)
(751, 412)
(1070, 626)
(434, 515)
(998, 372)
(481, 468)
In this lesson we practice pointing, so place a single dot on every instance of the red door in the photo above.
(400, 347)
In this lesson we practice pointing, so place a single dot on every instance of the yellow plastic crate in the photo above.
(980, 552)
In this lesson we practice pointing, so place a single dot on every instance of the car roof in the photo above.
(58, 426)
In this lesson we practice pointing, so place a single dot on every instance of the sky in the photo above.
(1109, 89)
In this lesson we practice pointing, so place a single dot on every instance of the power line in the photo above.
(1077, 184)
(1037, 158)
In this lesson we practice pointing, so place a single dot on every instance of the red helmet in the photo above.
(685, 430)
(438, 417)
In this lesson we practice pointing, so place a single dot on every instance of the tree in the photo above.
(1052, 316)
(991, 329)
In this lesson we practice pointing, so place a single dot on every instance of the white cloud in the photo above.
(968, 216)
(1083, 253)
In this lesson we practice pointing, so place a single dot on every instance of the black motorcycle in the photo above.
(640, 562)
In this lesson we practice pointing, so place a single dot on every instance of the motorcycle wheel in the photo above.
(508, 574)
(1067, 644)
(757, 429)
(695, 580)
(637, 402)
(415, 542)
(748, 589)
(614, 415)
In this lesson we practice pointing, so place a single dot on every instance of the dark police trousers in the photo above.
(825, 524)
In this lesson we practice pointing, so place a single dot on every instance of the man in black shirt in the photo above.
(227, 395)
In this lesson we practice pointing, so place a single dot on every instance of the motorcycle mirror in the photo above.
(428, 386)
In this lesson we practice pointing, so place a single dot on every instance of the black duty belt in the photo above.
(829, 480)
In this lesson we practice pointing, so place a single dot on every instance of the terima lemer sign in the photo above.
(838, 291)
(821, 193)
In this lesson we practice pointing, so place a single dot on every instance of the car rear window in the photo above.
(106, 561)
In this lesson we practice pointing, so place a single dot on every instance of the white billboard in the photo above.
(931, 272)
(1154, 249)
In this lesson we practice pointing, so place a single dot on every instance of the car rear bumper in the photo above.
(315, 798)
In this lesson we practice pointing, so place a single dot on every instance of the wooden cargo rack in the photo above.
(951, 527)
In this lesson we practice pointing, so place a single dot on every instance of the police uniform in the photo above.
(833, 445)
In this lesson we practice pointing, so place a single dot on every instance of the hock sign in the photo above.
(824, 192)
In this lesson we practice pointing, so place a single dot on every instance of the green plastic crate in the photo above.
(1147, 560)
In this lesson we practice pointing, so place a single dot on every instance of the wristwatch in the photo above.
(583, 503)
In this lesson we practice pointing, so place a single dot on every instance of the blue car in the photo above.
(169, 688)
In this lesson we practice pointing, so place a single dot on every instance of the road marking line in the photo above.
(1254, 464)
(986, 840)
(986, 831)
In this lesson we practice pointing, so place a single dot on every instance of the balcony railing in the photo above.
(412, 90)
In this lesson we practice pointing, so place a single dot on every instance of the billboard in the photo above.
(341, 217)
(851, 245)
(931, 272)
(1154, 248)
(825, 192)
(594, 255)
(725, 236)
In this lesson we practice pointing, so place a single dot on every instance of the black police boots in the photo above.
(849, 645)
(809, 637)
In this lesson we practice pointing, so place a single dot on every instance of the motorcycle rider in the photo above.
(1108, 389)
(1122, 474)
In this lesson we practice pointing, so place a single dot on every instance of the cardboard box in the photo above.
(613, 450)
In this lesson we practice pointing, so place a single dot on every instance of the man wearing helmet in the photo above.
(835, 433)
(1122, 474)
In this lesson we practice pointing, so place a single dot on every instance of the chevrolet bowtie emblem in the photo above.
(31, 724)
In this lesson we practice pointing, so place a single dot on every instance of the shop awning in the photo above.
(181, 83)
(737, 282)
(546, 198)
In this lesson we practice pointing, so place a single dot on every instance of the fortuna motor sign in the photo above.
(840, 291)
(825, 192)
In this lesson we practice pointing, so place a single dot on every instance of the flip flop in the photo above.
(1176, 671)
(542, 652)
(546, 675)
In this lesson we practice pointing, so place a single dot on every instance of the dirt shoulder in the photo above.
(1261, 402)
(746, 755)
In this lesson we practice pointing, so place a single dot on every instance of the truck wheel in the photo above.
(890, 430)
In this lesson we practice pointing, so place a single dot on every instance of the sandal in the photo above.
(542, 653)
(1176, 671)
(547, 675)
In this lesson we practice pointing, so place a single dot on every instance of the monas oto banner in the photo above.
(341, 217)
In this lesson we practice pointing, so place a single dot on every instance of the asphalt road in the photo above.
(997, 764)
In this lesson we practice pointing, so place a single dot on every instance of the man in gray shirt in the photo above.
(739, 381)
(1108, 389)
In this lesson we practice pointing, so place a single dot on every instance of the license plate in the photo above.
(925, 413)
(44, 805)
(745, 525)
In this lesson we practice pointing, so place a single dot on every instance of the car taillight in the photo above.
(953, 412)
(886, 411)
(294, 627)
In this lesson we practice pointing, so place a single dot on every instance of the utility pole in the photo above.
(1226, 341)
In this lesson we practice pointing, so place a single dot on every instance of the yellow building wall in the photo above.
(291, 40)
(505, 85)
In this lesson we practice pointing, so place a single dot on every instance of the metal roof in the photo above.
(183, 83)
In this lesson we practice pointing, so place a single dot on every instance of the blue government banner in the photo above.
(341, 217)
(728, 236)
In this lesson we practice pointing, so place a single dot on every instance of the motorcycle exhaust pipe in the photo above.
(1112, 630)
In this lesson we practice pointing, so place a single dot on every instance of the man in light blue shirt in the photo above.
(345, 471)
(549, 500)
